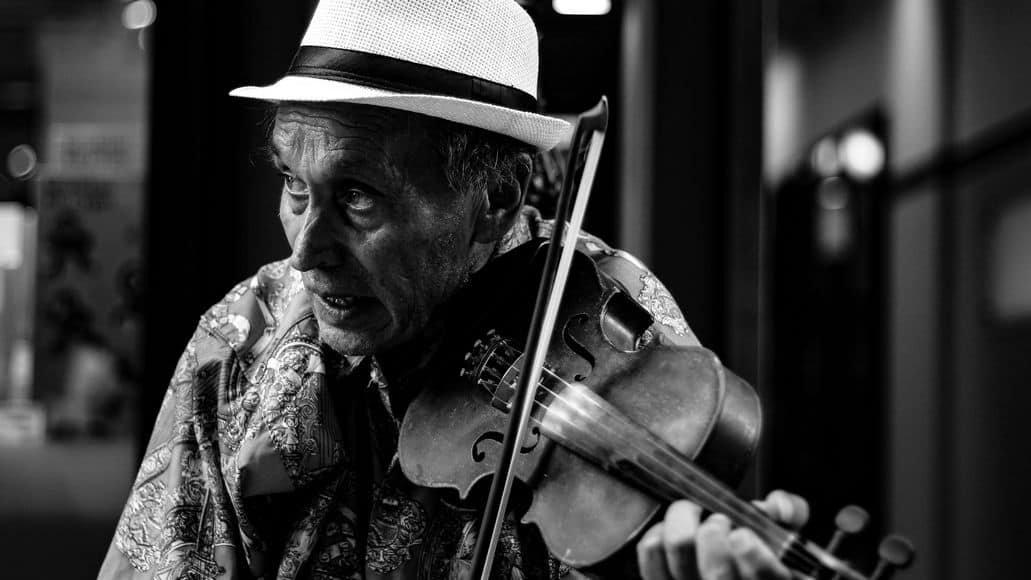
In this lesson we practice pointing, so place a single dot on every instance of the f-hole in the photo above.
(574, 345)
(479, 454)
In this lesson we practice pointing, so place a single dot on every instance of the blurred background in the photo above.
(837, 192)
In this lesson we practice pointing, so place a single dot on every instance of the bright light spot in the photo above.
(139, 14)
(784, 110)
(824, 158)
(582, 7)
(862, 154)
(11, 235)
(21, 162)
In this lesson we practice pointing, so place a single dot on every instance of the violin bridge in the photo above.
(493, 364)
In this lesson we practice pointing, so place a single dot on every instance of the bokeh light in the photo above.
(824, 158)
(21, 162)
(862, 155)
(139, 14)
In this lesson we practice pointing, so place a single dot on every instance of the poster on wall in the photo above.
(88, 280)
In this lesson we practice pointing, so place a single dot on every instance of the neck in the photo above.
(403, 365)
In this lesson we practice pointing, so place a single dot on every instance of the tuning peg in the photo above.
(895, 553)
(850, 520)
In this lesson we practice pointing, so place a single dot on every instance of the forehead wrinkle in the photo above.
(344, 153)
(370, 119)
(358, 143)
(328, 116)
(286, 135)
(349, 151)
(379, 137)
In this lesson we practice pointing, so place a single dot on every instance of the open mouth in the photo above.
(344, 308)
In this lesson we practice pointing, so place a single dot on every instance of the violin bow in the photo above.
(587, 138)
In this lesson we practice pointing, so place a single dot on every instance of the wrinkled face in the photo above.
(379, 237)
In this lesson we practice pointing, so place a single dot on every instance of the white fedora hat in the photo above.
(469, 61)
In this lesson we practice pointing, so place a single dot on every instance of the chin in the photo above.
(351, 342)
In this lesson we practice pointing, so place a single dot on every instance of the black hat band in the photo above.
(402, 76)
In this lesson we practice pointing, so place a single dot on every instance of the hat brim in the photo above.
(541, 131)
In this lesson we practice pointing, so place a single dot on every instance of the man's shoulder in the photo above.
(255, 307)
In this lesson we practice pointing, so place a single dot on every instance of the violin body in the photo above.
(603, 348)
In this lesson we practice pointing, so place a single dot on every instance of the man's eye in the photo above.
(357, 200)
(294, 185)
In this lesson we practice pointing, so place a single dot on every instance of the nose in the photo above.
(315, 245)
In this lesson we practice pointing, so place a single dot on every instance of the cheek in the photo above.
(420, 271)
(441, 242)
(445, 265)
(445, 255)
(422, 259)
(291, 223)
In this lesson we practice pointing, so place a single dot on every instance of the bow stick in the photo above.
(588, 136)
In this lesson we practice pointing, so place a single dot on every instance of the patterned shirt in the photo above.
(274, 457)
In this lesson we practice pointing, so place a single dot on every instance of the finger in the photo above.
(681, 526)
(753, 559)
(713, 549)
(787, 508)
(651, 556)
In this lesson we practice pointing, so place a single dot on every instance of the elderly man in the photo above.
(403, 132)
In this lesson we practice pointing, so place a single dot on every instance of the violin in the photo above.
(601, 417)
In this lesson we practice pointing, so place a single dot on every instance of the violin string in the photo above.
(792, 553)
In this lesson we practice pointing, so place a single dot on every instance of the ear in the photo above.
(500, 208)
